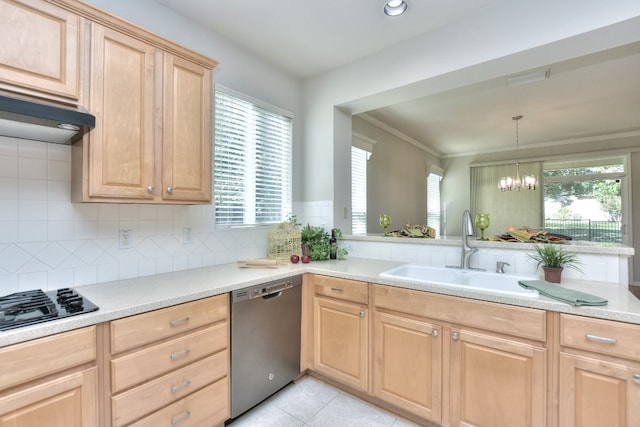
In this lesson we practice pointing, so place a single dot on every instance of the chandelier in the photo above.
(516, 183)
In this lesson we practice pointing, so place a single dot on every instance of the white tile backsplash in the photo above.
(48, 242)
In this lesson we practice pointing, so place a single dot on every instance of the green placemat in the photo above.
(559, 293)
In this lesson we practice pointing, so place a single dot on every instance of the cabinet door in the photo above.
(68, 401)
(595, 393)
(341, 340)
(186, 145)
(121, 149)
(407, 358)
(496, 382)
(40, 49)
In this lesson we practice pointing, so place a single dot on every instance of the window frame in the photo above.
(250, 185)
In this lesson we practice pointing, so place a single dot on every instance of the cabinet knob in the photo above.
(362, 314)
(150, 189)
(636, 378)
(169, 190)
(435, 333)
(455, 336)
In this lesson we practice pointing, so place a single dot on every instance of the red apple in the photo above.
(306, 258)
(295, 259)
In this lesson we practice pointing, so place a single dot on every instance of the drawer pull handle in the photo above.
(601, 339)
(435, 333)
(180, 354)
(181, 417)
(179, 321)
(455, 336)
(636, 378)
(337, 290)
(176, 388)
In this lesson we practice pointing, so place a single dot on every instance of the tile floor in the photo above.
(312, 403)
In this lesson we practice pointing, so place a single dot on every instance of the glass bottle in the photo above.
(333, 245)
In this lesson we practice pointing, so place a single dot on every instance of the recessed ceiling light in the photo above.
(395, 7)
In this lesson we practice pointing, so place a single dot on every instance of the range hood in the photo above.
(40, 121)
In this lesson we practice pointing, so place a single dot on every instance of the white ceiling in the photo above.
(583, 99)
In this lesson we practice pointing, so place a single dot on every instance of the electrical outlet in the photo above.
(126, 239)
(186, 235)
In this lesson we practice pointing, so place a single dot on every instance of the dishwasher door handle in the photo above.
(273, 295)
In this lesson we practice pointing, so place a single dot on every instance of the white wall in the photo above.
(396, 178)
(506, 38)
(48, 242)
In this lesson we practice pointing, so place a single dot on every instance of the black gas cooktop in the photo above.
(36, 306)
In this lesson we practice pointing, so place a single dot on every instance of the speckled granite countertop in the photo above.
(577, 246)
(128, 297)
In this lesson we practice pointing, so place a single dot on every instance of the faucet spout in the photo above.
(467, 251)
(467, 230)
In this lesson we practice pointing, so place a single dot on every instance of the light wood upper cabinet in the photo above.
(120, 153)
(152, 141)
(40, 49)
(153, 105)
(186, 131)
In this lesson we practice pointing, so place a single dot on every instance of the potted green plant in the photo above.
(553, 258)
(315, 243)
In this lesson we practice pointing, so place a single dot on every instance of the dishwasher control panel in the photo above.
(265, 289)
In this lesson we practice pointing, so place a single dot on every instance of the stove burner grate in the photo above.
(36, 306)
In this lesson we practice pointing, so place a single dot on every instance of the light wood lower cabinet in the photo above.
(459, 362)
(496, 381)
(50, 382)
(407, 364)
(68, 400)
(341, 330)
(599, 373)
(178, 374)
(595, 393)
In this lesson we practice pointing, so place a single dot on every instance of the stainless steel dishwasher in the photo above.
(265, 341)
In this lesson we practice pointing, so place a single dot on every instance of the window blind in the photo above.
(358, 190)
(252, 161)
(433, 202)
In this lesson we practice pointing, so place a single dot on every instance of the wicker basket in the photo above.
(284, 241)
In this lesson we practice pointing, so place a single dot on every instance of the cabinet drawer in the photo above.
(26, 361)
(159, 359)
(600, 336)
(144, 328)
(137, 402)
(350, 290)
(209, 406)
(516, 321)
